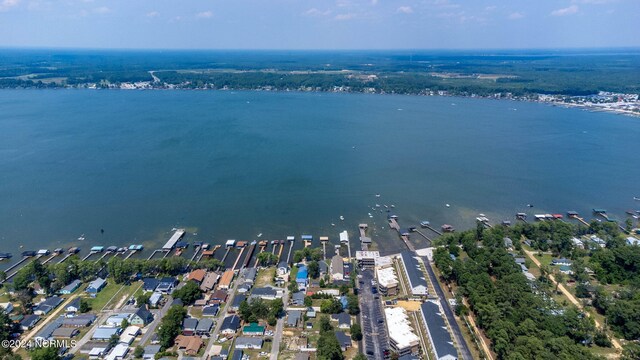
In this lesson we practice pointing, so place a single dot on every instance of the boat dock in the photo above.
(250, 250)
(90, 254)
(24, 258)
(196, 251)
(9, 276)
(72, 251)
(157, 251)
(324, 240)
(55, 254)
(427, 225)
(229, 244)
(174, 239)
(241, 245)
(423, 235)
(307, 239)
(404, 234)
(522, 217)
(130, 254)
(291, 240)
(484, 220)
(281, 249)
(263, 244)
(207, 252)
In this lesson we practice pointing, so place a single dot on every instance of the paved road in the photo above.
(374, 333)
(222, 314)
(50, 317)
(463, 348)
(277, 336)
(157, 318)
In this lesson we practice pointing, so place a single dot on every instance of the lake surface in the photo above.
(236, 164)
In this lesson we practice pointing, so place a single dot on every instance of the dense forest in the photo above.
(520, 316)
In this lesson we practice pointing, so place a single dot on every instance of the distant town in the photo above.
(324, 300)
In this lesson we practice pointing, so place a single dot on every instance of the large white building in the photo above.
(402, 337)
(387, 281)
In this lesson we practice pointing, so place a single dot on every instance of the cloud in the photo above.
(405, 10)
(374, 2)
(565, 11)
(5, 5)
(490, 8)
(152, 14)
(444, 4)
(204, 14)
(101, 10)
(343, 17)
(515, 16)
(594, 2)
(316, 12)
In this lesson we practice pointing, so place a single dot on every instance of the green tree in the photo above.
(331, 306)
(329, 347)
(138, 352)
(143, 298)
(360, 356)
(189, 293)
(353, 307)
(308, 301)
(85, 306)
(171, 326)
(325, 323)
(124, 324)
(314, 269)
(356, 332)
(45, 353)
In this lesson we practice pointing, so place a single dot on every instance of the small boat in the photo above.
(341, 217)
(386, 206)
(447, 205)
(636, 198)
(377, 205)
(332, 224)
(81, 237)
(260, 235)
(377, 195)
(393, 206)
(529, 205)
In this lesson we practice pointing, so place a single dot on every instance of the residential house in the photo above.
(219, 295)
(73, 307)
(336, 269)
(230, 324)
(211, 310)
(142, 317)
(103, 333)
(129, 334)
(283, 268)
(209, 281)
(237, 300)
(7, 307)
(96, 285)
(245, 342)
(562, 261)
(343, 319)
(204, 327)
(150, 352)
(149, 284)
(46, 333)
(46, 306)
(311, 312)
(293, 318)
(302, 278)
(253, 329)
(250, 274)
(197, 275)
(73, 286)
(82, 320)
(29, 321)
(189, 326)
(297, 298)
(65, 333)
(166, 285)
(226, 279)
(154, 299)
(265, 293)
(344, 340)
(190, 344)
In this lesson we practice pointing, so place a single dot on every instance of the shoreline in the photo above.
(553, 100)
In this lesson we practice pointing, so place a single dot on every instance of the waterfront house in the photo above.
(250, 274)
(283, 268)
(73, 286)
(149, 284)
(336, 269)
(209, 281)
(197, 276)
(166, 285)
(96, 285)
(226, 279)
(302, 278)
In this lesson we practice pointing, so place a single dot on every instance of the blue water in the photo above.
(236, 164)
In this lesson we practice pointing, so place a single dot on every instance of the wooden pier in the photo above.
(196, 252)
(224, 257)
(290, 248)
(423, 235)
(9, 276)
(64, 258)
(280, 252)
(130, 254)
(155, 252)
(24, 258)
(90, 254)
(104, 255)
(250, 250)
(575, 215)
(238, 258)
(50, 258)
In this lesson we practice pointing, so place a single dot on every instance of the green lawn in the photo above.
(105, 295)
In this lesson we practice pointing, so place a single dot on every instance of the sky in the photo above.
(314, 24)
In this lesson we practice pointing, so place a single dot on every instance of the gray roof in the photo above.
(47, 331)
(256, 342)
(412, 268)
(264, 291)
(65, 332)
(72, 286)
(237, 355)
(293, 317)
(79, 320)
(343, 339)
(96, 284)
(144, 313)
(204, 325)
(231, 322)
(440, 338)
(250, 273)
(75, 303)
(29, 320)
(323, 267)
(337, 264)
(105, 333)
(151, 349)
(210, 310)
(237, 300)
(190, 323)
(342, 318)
(298, 298)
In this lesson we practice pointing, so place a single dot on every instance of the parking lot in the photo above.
(375, 339)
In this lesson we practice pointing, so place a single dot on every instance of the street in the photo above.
(374, 330)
